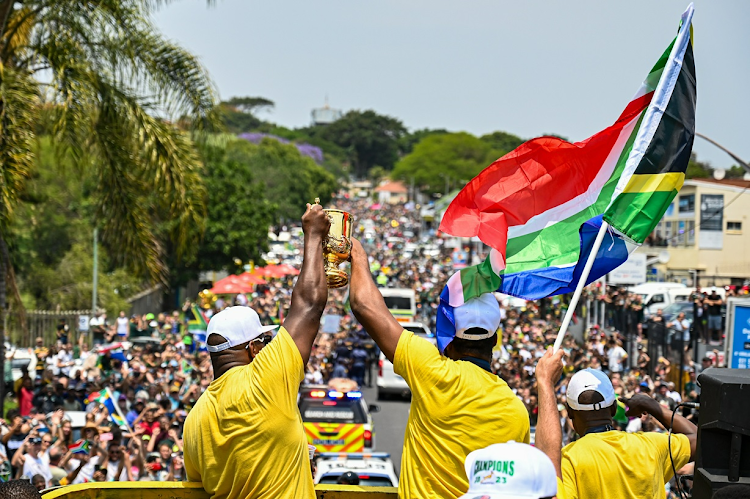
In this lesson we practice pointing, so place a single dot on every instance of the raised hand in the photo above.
(315, 221)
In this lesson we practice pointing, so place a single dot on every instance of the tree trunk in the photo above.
(3, 287)
(6, 7)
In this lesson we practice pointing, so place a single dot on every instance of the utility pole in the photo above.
(96, 274)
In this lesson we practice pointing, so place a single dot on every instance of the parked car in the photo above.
(374, 469)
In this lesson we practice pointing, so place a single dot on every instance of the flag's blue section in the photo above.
(109, 403)
(551, 281)
(541, 283)
(118, 354)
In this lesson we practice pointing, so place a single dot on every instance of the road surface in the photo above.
(390, 424)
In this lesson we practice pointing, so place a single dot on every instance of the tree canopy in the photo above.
(369, 139)
(445, 161)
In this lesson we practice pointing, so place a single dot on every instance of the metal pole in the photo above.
(96, 275)
(580, 285)
(734, 156)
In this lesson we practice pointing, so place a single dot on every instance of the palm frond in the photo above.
(18, 100)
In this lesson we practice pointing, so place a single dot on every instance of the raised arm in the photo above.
(310, 293)
(548, 430)
(368, 305)
(639, 404)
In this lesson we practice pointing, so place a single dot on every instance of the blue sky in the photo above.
(527, 67)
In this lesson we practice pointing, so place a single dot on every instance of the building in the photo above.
(705, 229)
(392, 192)
(325, 115)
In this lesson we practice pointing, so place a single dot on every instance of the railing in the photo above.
(193, 490)
(23, 328)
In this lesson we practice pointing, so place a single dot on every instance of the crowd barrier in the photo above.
(192, 490)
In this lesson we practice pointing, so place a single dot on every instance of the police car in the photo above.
(336, 420)
(374, 469)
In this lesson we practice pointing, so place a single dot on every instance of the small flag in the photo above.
(80, 447)
(195, 319)
(93, 397)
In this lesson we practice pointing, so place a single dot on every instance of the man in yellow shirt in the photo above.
(244, 436)
(606, 463)
(457, 404)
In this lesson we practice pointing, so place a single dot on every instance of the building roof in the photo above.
(393, 187)
(733, 184)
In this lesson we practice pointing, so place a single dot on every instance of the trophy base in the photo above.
(336, 278)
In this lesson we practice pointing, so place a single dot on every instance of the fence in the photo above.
(22, 329)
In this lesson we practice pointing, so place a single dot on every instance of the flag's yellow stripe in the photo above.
(655, 182)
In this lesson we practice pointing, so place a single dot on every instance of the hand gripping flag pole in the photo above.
(580, 285)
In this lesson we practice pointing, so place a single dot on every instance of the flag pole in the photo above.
(580, 285)
(119, 412)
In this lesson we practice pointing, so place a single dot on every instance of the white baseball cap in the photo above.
(510, 471)
(590, 380)
(237, 325)
(481, 312)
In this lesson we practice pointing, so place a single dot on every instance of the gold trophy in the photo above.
(337, 246)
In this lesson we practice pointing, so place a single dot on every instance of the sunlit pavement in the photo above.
(390, 424)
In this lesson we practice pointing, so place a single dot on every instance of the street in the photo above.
(390, 424)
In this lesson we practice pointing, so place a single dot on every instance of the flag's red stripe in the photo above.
(535, 177)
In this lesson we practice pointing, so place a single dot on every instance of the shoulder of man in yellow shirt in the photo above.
(578, 455)
(422, 366)
(270, 383)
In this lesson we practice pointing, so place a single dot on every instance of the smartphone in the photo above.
(106, 437)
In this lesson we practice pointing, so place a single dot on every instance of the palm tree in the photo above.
(108, 87)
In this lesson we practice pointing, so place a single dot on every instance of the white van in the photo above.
(657, 295)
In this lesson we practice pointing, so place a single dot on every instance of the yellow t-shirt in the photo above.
(244, 437)
(616, 465)
(456, 407)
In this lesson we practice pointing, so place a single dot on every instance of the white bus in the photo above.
(402, 303)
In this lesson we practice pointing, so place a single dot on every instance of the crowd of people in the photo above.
(93, 409)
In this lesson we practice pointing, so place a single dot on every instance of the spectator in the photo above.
(39, 482)
(713, 305)
(34, 463)
(616, 356)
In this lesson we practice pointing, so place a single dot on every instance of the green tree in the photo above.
(239, 114)
(238, 214)
(698, 169)
(447, 160)
(736, 171)
(97, 75)
(409, 140)
(369, 138)
(502, 142)
(291, 179)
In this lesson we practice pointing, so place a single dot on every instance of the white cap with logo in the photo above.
(590, 380)
(237, 325)
(482, 312)
(510, 471)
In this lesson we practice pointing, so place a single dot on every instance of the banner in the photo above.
(712, 221)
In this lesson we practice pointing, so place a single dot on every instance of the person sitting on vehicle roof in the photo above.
(244, 437)
(348, 478)
(457, 404)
